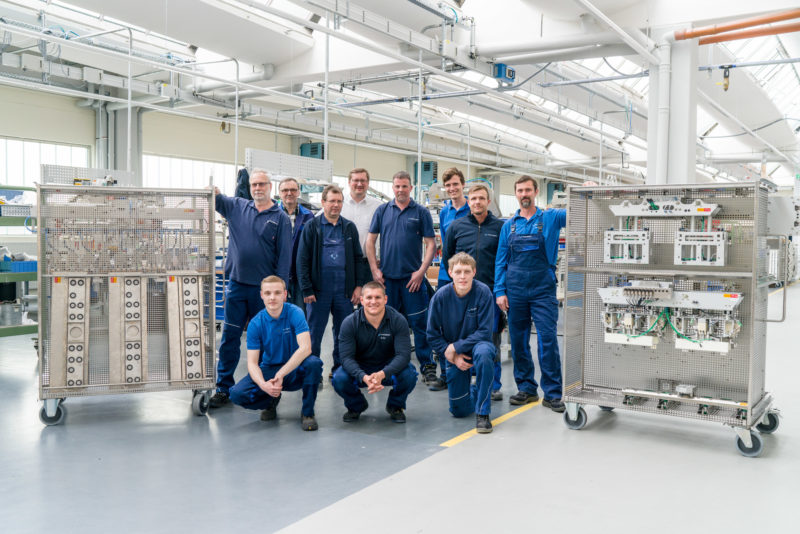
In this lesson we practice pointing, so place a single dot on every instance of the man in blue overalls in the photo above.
(260, 246)
(454, 208)
(525, 287)
(331, 270)
(403, 226)
(289, 191)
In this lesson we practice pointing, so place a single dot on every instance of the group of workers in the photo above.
(363, 262)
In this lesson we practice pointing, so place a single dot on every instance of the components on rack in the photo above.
(626, 246)
(69, 331)
(186, 346)
(700, 248)
(127, 328)
(672, 207)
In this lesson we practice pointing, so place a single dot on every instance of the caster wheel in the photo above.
(769, 425)
(607, 408)
(578, 423)
(200, 404)
(57, 419)
(751, 452)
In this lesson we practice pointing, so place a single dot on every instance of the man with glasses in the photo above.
(289, 191)
(331, 270)
(260, 245)
(358, 206)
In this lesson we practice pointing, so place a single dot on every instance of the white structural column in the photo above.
(682, 157)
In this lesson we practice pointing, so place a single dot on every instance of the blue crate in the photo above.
(18, 266)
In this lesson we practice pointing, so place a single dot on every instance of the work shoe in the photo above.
(497, 395)
(350, 416)
(522, 397)
(396, 414)
(554, 404)
(219, 399)
(269, 414)
(308, 422)
(482, 424)
(437, 384)
(429, 374)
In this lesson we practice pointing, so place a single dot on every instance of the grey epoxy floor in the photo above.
(144, 463)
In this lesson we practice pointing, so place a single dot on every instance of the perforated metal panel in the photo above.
(597, 372)
(107, 258)
(286, 165)
(65, 175)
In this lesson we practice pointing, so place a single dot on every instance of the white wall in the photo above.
(44, 117)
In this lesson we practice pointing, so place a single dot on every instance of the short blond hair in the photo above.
(461, 258)
(480, 187)
(272, 279)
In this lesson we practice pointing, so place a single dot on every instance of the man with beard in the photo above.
(525, 287)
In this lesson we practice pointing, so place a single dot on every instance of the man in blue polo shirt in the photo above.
(460, 325)
(260, 245)
(455, 208)
(278, 358)
(525, 287)
(403, 225)
(289, 191)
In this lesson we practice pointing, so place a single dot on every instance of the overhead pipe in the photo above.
(662, 124)
(568, 54)
(627, 39)
(680, 35)
(595, 80)
(496, 51)
(747, 34)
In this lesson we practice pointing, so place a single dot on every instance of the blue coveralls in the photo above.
(260, 246)
(466, 322)
(331, 298)
(530, 285)
(277, 341)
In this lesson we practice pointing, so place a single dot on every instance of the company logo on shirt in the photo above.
(287, 330)
(384, 337)
(472, 311)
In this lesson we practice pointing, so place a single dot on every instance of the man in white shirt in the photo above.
(358, 207)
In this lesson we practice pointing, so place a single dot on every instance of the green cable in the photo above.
(683, 336)
(651, 326)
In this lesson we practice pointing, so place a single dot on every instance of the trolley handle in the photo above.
(784, 241)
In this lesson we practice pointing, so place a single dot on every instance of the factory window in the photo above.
(20, 159)
(180, 173)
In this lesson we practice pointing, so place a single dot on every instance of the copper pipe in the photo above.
(738, 25)
(755, 32)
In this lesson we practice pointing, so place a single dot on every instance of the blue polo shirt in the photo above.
(260, 243)
(401, 237)
(449, 214)
(552, 222)
(276, 338)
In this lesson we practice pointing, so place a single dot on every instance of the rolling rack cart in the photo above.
(666, 305)
(127, 293)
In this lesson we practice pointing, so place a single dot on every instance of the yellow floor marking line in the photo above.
(503, 418)
(784, 287)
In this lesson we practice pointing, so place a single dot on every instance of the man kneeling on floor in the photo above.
(375, 351)
(460, 322)
(278, 357)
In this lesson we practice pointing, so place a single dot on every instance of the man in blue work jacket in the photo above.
(376, 352)
(331, 270)
(278, 358)
(525, 287)
(403, 226)
(460, 324)
(454, 208)
(478, 235)
(289, 191)
(260, 245)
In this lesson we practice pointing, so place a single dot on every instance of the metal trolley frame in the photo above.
(126, 284)
(666, 377)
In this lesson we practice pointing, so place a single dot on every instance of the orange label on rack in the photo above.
(171, 278)
(58, 279)
(703, 209)
(731, 295)
(113, 279)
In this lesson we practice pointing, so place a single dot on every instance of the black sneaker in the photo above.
(437, 384)
(523, 398)
(497, 395)
(482, 424)
(219, 399)
(396, 414)
(269, 414)
(554, 404)
(351, 416)
(308, 423)
(429, 374)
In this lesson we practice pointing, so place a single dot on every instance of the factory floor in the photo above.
(144, 463)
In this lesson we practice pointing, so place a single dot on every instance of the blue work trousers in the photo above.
(296, 296)
(414, 307)
(242, 303)
(330, 300)
(466, 398)
(306, 376)
(542, 307)
(349, 388)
